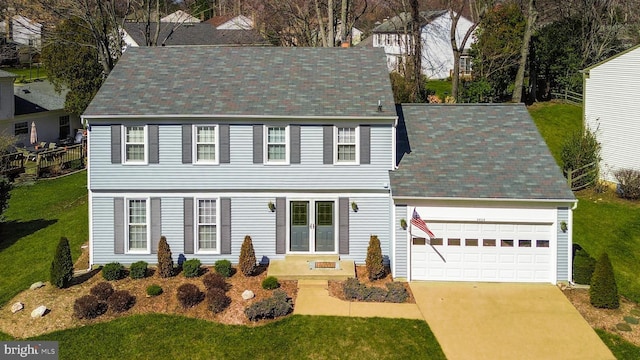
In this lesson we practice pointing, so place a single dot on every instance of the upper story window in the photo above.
(137, 225)
(206, 226)
(205, 142)
(134, 144)
(65, 126)
(276, 144)
(346, 145)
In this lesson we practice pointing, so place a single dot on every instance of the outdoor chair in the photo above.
(52, 146)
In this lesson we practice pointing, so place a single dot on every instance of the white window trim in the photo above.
(335, 145)
(287, 142)
(147, 202)
(124, 146)
(196, 241)
(194, 143)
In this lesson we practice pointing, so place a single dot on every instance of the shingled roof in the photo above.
(474, 151)
(247, 81)
(193, 34)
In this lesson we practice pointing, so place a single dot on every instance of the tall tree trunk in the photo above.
(416, 92)
(532, 15)
(331, 21)
(343, 19)
(322, 35)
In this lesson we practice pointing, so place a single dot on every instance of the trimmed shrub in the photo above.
(270, 283)
(217, 300)
(579, 150)
(628, 183)
(583, 266)
(191, 268)
(375, 266)
(397, 293)
(247, 261)
(213, 280)
(352, 289)
(277, 305)
(223, 267)
(88, 307)
(121, 300)
(374, 294)
(165, 262)
(138, 270)
(603, 292)
(61, 272)
(189, 295)
(154, 290)
(101, 290)
(113, 271)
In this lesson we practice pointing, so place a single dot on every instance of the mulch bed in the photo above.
(335, 287)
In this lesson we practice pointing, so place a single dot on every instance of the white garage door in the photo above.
(484, 252)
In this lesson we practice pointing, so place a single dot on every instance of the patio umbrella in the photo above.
(34, 133)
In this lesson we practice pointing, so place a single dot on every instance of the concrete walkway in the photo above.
(313, 299)
(506, 321)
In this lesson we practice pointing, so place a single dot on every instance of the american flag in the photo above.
(420, 224)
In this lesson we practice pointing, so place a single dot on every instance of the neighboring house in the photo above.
(36, 102)
(613, 115)
(23, 31)
(231, 22)
(204, 145)
(437, 55)
(190, 34)
(355, 36)
(180, 17)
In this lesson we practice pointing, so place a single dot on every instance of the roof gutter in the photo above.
(410, 198)
(221, 116)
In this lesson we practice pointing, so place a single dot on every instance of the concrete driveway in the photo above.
(506, 321)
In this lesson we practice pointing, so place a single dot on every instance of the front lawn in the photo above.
(296, 337)
(620, 348)
(441, 87)
(37, 217)
(27, 73)
(555, 122)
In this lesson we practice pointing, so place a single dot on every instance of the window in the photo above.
(205, 143)
(524, 243)
(346, 151)
(465, 65)
(65, 126)
(206, 226)
(488, 242)
(542, 243)
(277, 144)
(134, 144)
(506, 243)
(137, 225)
(21, 128)
(471, 242)
(453, 242)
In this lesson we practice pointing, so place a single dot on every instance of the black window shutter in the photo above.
(365, 144)
(186, 144)
(225, 225)
(281, 225)
(118, 221)
(188, 225)
(116, 144)
(257, 144)
(343, 231)
(154, 144)
(225, 146)
(294, 133)
(327, 144)
(156, 225)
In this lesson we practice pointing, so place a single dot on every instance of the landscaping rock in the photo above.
(635, 312)
(36, 285)
(39, 311)
(631, 320)
(623, 327)
(248, 294)
(17, 307)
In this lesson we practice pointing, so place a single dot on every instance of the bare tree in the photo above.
(532, 15)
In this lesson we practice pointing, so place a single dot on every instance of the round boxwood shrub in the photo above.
(61, 272)
(121, 300)
(138, 270)
(270, 283)
(217, 300)
(277, 305)
(154, 290)
(113, 271)
(223, 267)
(191, 268)
(583, 266)
(213, 280)
(375, 266)
(189, 295)
(101, 290)
(247, 260)
(88, 307)
(603, 292)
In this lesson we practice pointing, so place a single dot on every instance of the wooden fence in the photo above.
(12, 165)
(567, 96)
(574, 176)
(55, 161)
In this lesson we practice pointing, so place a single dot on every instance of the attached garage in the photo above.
(491, 194)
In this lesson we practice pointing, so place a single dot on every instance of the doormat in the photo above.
(326, 265)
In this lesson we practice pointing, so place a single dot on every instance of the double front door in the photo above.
(312, 226)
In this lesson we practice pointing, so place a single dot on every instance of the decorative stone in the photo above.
(248, 294)
(39, 311)
(36, 285)
(623, 327)
(17, 307)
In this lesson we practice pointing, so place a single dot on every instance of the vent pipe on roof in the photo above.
(379, 105)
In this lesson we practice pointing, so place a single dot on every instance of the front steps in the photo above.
(312, 267)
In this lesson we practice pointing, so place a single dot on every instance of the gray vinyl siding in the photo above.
(241, 173)
(251, 216)
(563, 264)
(373, 218)
(401, 261)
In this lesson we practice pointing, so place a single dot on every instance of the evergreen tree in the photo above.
(375, 267)
(62, 265)
(603, 292)
(247, 261)
(165, 262)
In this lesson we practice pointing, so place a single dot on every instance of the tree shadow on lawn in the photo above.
(12, 231)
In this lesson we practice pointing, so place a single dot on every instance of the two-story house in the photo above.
(394, 35)
(304, 150)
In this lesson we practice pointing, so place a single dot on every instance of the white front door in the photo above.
(312, 226)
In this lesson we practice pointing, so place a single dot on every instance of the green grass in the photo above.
(296, 337)
(28, 74)
(5, 337)
(555, 121)
(37, 217)
(620, 348)
(441, 87)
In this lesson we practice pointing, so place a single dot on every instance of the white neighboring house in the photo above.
(437, 54)
(611, 109)
(180, 17)
(22, 104)
(224, 22)
(23, 31)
